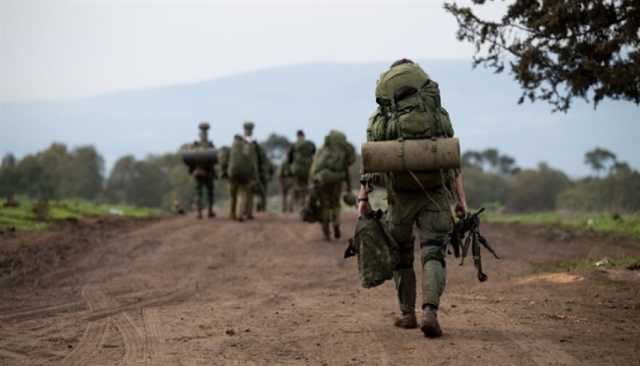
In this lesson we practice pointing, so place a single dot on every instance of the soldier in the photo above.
(204, 173)
(244, 170)
(330, 176)
(262, 188)
(300, 157)
(421, 198)
(285, 183)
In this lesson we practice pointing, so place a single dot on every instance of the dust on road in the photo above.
(270, 292)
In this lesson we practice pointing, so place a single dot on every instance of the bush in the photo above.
(536, 190)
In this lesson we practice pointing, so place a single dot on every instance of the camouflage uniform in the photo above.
(265, 175)
(204, 175)
(300, 150)
(329, 194)
(426, 206)
(242, 191)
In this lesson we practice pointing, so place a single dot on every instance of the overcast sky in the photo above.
(54, 49)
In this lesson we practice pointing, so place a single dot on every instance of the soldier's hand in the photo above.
(363, 207)
(461, 210)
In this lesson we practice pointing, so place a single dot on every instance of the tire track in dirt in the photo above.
(153, 340)
(95, 332)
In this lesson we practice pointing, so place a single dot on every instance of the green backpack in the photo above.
(375, 248)
(242, 160)
(302, 158)
(409, 107)
(331, 161)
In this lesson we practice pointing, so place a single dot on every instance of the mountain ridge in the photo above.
(317, 97)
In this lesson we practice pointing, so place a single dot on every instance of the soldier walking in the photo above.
(409, 107)
(244, 170)
(204, 173)
(300, 158)
(330, 177)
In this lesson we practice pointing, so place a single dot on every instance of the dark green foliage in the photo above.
(598, 158)
(276, 147)
(617, 192)
(559, 50)
(536, 190)
(485, 189)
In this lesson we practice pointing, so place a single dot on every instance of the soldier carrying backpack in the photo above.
(330, 177)
(243, 168)
(300, 158)
(409, 108)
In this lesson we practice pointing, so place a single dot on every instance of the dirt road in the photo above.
(270, 292)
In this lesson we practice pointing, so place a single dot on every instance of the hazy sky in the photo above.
(51, 49)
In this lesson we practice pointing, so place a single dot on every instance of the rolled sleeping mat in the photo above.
(414, 155)
(200, 157)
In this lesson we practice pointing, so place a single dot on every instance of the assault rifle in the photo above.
(465, 234)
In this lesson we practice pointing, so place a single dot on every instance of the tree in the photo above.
(559, 50)
(85, 173)
(598, 158)
(536, 190)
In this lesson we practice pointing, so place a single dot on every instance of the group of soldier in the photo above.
(307, 176)
(409, 107)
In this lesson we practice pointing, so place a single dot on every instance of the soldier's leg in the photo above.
(242, 201)
(325, 212)
(401, 227)
(434, 227)
(233, 205)
(199, 188)
(335, 212)
(210, 198)
(250, 200)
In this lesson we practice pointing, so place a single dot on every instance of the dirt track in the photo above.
(185, 292)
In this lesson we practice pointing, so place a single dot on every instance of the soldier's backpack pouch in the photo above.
(375, 249)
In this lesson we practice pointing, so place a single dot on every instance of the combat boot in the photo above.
(212, 214)
(407, 321)
(199, 215)
(429, 324)
(336, 231)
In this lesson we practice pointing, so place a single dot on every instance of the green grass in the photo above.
(629, 224)
(23, 218)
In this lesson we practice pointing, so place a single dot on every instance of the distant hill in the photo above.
(317, 98)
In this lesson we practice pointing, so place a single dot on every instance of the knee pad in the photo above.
(435, 251)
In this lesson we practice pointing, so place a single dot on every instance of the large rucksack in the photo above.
(375, 248)
(409, 108)
(242, 160)
(303, 152)
(332, 160)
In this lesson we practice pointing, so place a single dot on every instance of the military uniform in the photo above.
(330, 174)
(409, 107)
(300, 158)
(242, 188)
(204, 174)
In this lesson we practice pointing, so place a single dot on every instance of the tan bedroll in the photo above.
(410, 155)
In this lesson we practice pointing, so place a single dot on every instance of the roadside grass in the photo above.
(626, 224)
(628, 262)
(23, 217)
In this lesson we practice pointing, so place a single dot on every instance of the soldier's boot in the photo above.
(326, 232)
(336, 231)
(211, 214)
(199, 214)
(405, 281)
(407, 321)
(429, 324)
